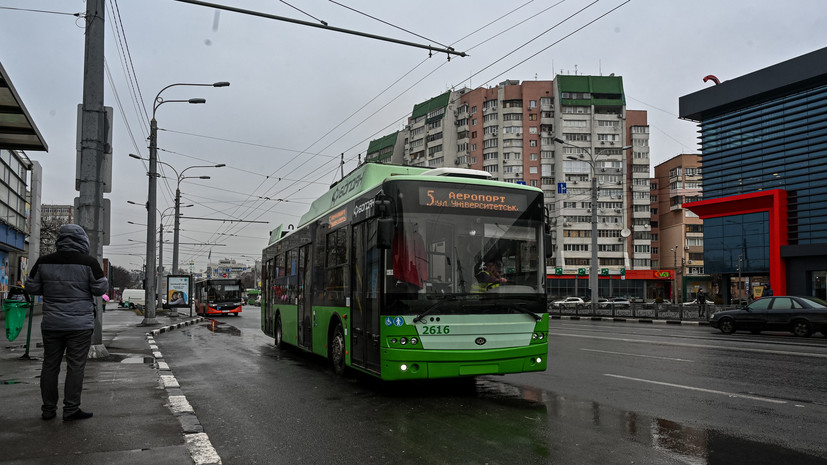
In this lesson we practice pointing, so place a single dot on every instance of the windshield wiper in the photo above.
(433, 307)
(519, 308)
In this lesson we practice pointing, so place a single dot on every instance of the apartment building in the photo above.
(548, 134)
(679, 244)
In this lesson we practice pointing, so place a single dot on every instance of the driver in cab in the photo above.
(490, 276)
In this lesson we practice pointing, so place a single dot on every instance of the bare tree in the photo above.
(248, 280)
(49, 229)
(121, 277)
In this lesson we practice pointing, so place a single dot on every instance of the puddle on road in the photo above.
(685, 444)
(223, 328)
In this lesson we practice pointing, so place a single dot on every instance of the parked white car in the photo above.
(570, 303)
(615, 302)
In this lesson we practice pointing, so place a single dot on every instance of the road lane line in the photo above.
(697, 346)
(639, 355)
(691, 388)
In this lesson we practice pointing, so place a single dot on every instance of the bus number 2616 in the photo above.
(436, 330)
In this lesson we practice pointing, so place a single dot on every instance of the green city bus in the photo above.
(382, 275)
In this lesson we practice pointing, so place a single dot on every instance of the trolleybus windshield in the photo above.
(480, 257)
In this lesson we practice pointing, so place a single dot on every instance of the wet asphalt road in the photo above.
(615, 393)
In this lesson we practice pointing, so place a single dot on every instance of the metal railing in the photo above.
(690, 312)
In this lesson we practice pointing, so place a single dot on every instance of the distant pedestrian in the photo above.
(700, 298)
(767, 291)
(68, 280)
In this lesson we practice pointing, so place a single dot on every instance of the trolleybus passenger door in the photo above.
(366, 291)
(305, 308)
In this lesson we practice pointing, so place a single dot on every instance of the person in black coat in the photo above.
(700, 298)
(68, 280)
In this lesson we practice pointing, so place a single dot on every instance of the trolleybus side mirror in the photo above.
(385, 228)
(547, 235)
(384, 233)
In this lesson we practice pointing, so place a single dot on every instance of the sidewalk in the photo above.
(132, 422)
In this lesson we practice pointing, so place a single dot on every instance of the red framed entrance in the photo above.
(774, 202)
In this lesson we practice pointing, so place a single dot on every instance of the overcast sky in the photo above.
(301, 96)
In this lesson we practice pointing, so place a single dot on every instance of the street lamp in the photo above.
(180, 177)
(593, 273)
(149, 316)
(160, 268)
(675, 279)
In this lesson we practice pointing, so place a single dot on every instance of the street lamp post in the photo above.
(181, 177)
(160, 268)
(149, 315)
(675, 279)
(593, 273)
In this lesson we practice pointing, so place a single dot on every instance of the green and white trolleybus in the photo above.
(386, 274)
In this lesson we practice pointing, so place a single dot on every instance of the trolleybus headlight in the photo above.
(403, 367)
(393, 341)
(534, 336)
(538, 360)
(403, 341)
(414, 341)
(541, 336)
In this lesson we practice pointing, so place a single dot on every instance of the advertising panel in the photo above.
(179, 289)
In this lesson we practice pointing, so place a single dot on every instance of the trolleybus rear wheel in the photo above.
(277, 332)
(337, 349)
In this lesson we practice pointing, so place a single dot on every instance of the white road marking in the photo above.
(691, 388)
(638, 355)
(698, 346)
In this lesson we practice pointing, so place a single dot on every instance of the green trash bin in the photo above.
(15, 316)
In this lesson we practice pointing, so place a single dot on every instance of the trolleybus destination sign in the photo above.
(471, 199)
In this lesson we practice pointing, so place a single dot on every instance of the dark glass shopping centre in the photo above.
(764, 154)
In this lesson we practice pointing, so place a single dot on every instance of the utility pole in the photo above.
(90, 176)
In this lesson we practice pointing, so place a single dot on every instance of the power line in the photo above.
(304, 12)
(448, 50)
(386, 23)
(78, 15)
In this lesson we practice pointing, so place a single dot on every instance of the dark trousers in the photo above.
(76, 346)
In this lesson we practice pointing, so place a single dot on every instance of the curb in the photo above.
(630, 320)
(198, 443)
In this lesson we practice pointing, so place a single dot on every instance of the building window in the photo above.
(576, 109)
(576, 137)
(575, 123)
